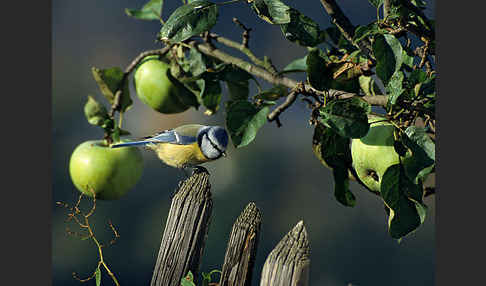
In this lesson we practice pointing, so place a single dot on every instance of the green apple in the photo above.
(110, 173)
(374, 153)
(158, 89)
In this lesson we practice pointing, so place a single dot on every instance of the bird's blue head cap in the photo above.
(213, 141)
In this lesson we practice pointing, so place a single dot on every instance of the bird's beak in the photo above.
(224, 154)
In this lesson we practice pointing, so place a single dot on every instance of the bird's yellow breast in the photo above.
(180, 155)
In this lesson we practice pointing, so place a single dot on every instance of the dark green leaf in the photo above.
(243, 121)
(296, 65)
(364, 31)
(341, 187)
(318, 75)
(423, 150)
(95, 112)
(152, 10)
(396, 191)
(334, 150)
(210, 94)
(376, 3)
(388, 52)
(196, 62)
(109, 80)
(395, 87)
(302, 30)
(238, 90)
(400, 148)
(98, 276)
(348, 117)
(333, 33)
(237, 81)
(273, 93)
(189, 20)
(272, 11)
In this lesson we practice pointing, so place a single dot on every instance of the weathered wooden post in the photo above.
(288, 263)
(242, 246)
(185, 231)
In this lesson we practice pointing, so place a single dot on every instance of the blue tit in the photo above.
(185, 146)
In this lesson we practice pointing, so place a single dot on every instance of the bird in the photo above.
(186, 146)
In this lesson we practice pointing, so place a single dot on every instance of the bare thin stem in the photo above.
(345, 26)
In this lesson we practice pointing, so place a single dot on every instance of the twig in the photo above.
(427, 33)
(291, 97)
(345, 26)
(376, 100)
(386, 8)
(74, 211)
(232, 44)
(246, 32)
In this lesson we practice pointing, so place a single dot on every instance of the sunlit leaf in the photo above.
(189, 20)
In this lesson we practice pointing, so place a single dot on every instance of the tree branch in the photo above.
(244, 49)
(377, 100)
(345, 25)
(386, 8)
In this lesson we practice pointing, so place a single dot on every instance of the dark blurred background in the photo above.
(278, 171)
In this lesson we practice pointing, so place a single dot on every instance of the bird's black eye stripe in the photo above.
(212, 144)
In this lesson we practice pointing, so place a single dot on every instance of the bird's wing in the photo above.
(183, 135)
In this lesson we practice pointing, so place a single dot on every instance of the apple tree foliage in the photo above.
(386, 67)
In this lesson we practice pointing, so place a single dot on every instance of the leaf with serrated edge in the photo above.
(189, 20)
(302, 30)
(348, 117)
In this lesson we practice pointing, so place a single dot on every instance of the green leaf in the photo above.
(420, 138)
(396, 191)
(243, 121)
(407, 59)
(197, 63)
(368, 85)
(388, 52)
(273, 93)
(296, 65)
(423, 150)
(152, 10)
(188, 280)
(364, 31)
(210, 95)
(348, 117)
(376, 3)
(95, 112)
(189, 20)
(341, 187)
(98, 276)
(271, 11)
(334, 150)
(237, 81)
(302, 30)
(318, 75)
(109, 80)
(395, 87)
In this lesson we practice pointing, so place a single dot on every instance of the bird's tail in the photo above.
(133, 143)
